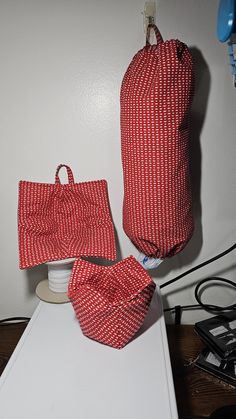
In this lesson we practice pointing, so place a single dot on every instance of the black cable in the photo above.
(178, 309)
(15, 320)
(220, 255)
(208, 307)
(191, 306)
(212, 307)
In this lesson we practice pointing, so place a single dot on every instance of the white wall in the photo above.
(62, 63)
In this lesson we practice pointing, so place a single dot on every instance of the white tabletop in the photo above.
(57, 373)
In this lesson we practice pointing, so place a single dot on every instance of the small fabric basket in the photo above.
(58, 221)
(110, 302)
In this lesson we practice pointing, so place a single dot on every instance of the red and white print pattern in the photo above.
(59, 221)
(110, 302)
(156, 95)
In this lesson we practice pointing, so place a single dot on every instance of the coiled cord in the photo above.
(198, 292)
(212, 307)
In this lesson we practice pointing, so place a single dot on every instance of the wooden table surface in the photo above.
(198, 393)
(10, 334)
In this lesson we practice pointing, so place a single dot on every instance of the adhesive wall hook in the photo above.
(149, 14)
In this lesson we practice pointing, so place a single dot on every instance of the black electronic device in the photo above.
(219, 334)
(221, 368)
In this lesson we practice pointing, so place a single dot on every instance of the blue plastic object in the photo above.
(232, 60)
(226, 20)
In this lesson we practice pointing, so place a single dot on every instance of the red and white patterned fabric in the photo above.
(59, 221)
(110, 302)
(156, 96)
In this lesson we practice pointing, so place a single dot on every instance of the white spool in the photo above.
(59, 274)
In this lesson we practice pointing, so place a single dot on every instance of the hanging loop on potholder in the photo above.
(59, 221)
(69, 174)
(156, 96)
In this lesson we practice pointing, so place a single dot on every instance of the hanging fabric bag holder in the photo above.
(155, 100)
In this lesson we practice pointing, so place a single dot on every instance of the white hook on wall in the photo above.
(149, 14)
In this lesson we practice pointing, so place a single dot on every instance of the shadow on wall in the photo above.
(197, 117)
(34, 276)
